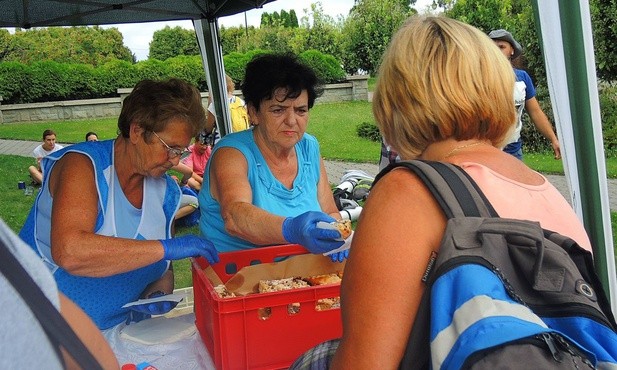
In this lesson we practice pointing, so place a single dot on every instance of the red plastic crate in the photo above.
(233, 329)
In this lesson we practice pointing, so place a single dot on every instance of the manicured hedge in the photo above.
(51, 81)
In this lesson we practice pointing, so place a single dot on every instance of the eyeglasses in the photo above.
(171, 152)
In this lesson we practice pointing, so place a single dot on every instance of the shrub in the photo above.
(52, 81)
(327, 68)
(608, 113)
(188, 68)
(152, 69)
(235, 63)
(80, 80)
(533, 141)
(14, 81)
(117, 74)
(368, 131)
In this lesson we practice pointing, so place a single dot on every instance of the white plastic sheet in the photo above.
(188, 352)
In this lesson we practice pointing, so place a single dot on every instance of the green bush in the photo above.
(608, 113)
(117, 74)
(52, 81)
(235, 63)
(533, 141)
(327, 68)
(368, 131)
(152, 69)
(81, 81)
(188, 68)
(14, 78)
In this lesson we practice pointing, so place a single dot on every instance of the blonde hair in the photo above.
(230, 84)
(439, 79)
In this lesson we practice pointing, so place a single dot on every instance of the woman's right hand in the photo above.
(303, 230)
(189, 246)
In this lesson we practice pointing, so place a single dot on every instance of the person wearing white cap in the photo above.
(524, 98)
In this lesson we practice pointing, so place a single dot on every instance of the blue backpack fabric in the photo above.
(504, 293)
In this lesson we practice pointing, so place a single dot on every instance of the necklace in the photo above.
(461, 147)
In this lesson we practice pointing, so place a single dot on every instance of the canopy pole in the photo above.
(570, 65)
(207, 32)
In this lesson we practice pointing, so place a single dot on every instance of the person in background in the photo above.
(268, 184)
(23, 341)
(48, 146)
(237, 110)
(431, 107)
(193, 165)
(92, 136)
(524, 97)
(102, 222)
(388, 155)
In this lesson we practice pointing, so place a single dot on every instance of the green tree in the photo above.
(485, 15)
(293, 19)
(5, 39)
(171, 42)
(285, 21)
(88, 45)
(368, 30)
(266, 20)
(324, 34)
(235, 38)
(604, 20)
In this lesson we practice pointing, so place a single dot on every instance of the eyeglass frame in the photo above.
(171, 152)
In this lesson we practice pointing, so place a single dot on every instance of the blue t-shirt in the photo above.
(268, 193)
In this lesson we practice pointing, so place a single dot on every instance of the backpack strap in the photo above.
(456, 192)
(60, 334)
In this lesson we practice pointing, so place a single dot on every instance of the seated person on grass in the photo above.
(92, 136)
(47, 147)
(193, 165)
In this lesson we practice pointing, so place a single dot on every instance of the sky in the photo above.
(137, 36)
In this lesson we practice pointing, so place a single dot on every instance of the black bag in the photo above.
(504, 293)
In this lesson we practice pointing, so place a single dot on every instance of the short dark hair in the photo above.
(91, 133)
(266, 73)
(153, 104)
(48, 132)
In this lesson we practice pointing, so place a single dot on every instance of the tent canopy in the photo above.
(40, 13)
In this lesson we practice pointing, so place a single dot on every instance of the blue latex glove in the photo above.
(303, 230)
(339, 256)
(189, 246)
(144, 311)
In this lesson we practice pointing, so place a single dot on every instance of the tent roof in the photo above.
(41, 13)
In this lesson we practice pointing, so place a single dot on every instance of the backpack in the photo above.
(239, 115)
(504, 293)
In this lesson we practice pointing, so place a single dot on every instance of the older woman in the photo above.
(268, 185)
(444, 93)
(103, 219)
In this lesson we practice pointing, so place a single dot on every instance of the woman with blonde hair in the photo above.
(444, 93)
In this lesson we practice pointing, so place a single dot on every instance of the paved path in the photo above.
(335, 169)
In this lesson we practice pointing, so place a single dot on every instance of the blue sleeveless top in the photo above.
(268, 193)
(102, 297)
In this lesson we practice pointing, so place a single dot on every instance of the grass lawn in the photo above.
(333, 124)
